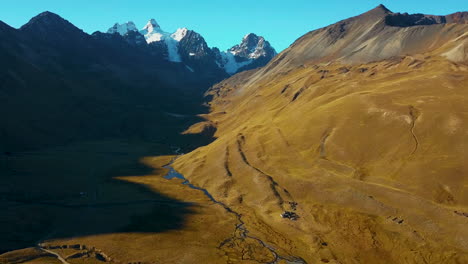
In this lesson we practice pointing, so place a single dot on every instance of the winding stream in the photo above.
(244, 232)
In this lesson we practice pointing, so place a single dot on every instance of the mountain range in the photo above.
(189, 47)
(54, 73)
(347, 147)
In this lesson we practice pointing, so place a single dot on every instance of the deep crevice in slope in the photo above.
(226, 162)
(414, 114)
(274, 186)
(323, 142)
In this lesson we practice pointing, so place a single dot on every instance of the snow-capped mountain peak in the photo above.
(151, 26)
(122, 29)
(180, 34)
(153, 33)
(251, 52)
(253, 46)
(190, 47)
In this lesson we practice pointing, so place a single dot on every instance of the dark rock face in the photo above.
(255, 49)
(408, 20)
(158, 50)
(247, 46)
(134, 38)
(194, 45)
(195, 52)
(49, 26)
(253, 46)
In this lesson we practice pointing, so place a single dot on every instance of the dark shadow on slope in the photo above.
(71, 191)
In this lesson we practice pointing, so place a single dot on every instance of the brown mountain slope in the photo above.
(363, 125)
(370, 37)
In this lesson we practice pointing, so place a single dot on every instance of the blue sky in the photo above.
(223, 23)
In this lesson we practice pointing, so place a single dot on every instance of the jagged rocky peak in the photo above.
(122, 29)
(192, 43)
(191, 36)
(253, 52)
(253, 46)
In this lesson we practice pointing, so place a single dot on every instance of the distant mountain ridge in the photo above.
(189, 47)
(52, 72)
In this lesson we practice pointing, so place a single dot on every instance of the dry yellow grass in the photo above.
(29, 256)
(374, 154)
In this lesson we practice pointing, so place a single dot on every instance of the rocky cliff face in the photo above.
(253, 47)
(408, 20)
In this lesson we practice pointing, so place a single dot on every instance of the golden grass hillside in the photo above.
(374, 153)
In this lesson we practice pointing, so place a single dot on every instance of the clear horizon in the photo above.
(221, 23)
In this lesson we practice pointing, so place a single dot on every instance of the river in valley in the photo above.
(244, 232)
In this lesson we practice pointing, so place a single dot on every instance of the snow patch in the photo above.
(180, 34)
(153, 33)
(229, 64)
(173, 50)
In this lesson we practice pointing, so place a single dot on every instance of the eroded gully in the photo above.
(240, 229)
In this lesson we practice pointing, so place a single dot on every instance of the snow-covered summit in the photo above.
(154, 33)
(190, 47)
(252, 51)
(151, 27)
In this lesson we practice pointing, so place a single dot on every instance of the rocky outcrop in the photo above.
(408, 20)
